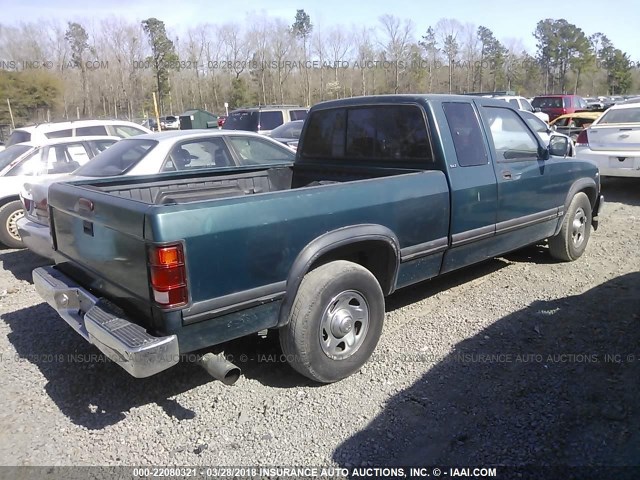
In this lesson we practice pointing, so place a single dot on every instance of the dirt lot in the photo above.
(519, 360)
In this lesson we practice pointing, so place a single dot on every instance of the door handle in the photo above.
(506, 174)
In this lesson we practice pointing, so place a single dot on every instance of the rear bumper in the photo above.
(609, 163)
(36, 237)
(104, 326)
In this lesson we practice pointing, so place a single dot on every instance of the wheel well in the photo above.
(377, 256)
(5, 200)
(590, 192)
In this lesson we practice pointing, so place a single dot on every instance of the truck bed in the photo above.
(198, 187)
(102, 227)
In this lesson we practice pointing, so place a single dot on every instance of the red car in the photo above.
(556, 105)
(221, 120)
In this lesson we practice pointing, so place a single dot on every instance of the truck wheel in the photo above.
(10, 213)
(570, 243)
(335, 323)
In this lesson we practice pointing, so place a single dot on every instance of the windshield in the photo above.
(12, 153)
(623, 115)
(244, 120)
(18, 136)
(116, 160)
(288, 130)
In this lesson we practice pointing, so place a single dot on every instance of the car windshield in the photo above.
(622, 115)
(116, 160)
(288, 130)
(12, 153)
(242, 121)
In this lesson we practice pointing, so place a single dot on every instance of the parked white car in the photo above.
(612, 141)
(77, 128)
(169, 151)
(25, 161)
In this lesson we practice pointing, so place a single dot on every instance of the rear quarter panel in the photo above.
(242, 243)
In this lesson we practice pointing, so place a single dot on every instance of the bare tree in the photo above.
(281, 47)
(448, 30)
(339, 45)
(397, 38)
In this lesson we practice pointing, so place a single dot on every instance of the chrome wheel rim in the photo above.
(12, 224)
(344, 325)
(578, 227)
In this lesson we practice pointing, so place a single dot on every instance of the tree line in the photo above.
(109, 68)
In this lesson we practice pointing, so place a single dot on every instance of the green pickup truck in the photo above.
(386, 191)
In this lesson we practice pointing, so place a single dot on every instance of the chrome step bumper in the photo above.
(103, 325)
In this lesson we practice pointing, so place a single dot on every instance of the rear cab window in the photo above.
(389, 135)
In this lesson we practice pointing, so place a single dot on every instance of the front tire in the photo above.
(570, 243)
(335, 322)
(10, 213)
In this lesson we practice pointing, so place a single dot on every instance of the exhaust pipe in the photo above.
(220, 368)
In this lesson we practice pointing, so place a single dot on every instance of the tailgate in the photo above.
(614, 137)
(99, 239)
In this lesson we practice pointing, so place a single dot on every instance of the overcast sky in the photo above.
(511, 21)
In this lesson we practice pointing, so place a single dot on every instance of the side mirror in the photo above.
(559, 146)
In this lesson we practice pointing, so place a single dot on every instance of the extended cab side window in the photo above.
(511, 137)
(467, 136)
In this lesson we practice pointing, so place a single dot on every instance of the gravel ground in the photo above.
(519, 360)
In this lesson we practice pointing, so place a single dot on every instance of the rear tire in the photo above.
(335, 322)
(10, 213)
(570, 243)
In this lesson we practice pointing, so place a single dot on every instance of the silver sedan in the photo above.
(153, 153)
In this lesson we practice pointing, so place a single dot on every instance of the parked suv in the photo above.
(556, 105)
(263, 119)
(523, 104)
(170, 122)
(79, 128)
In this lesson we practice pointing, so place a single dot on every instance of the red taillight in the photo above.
(40, 208)
(168, 275)
(582, 139)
